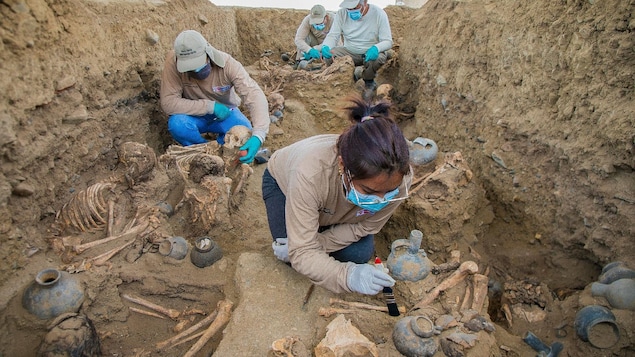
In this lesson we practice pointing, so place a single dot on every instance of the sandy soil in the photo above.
(536, 97)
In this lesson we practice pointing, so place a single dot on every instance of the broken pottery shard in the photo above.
(344, 339)
(466, 340)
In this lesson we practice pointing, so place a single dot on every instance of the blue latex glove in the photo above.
(371, 54)
(251, 146)
(281, 249)
(313, 53)
(326, 52)
(220, 111)
(366, 279)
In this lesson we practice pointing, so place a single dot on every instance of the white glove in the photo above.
(281, 249)
(366, 279)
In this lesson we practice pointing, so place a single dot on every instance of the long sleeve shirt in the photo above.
(307, 173)
(372, 30)
(307, 37)
(230, 85)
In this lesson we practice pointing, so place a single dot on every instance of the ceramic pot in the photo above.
(205, 252)
(174, 247)
(423, 151)
(615, 271)
(53, 293)
(543, 350)
(413, 336)
(596, 324)
(620, 293)
(406, 260)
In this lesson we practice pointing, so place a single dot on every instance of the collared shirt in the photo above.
(307, 34)
(307, 173)
(230, 85)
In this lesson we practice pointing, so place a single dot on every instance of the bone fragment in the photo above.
(102, 259)
(480, 292)
(80, 248)
(508, 314)
(173, 341)
(361, 305)
(466, 299)
(468, 267)
(111, 218)
(144, 312)
(330, 311)
(224, 313)
(451, 264)
(427, 178)
(171, 313)
(190, 338)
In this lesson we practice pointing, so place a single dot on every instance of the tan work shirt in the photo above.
(229, 85)
(307, 37)
(307, 173)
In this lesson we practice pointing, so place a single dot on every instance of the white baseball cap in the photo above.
(350, 4)
(190, 48)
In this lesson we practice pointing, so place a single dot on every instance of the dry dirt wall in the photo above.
(538, 96)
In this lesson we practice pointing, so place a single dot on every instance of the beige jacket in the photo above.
(229, 85)
(307, 173)
(307, 37)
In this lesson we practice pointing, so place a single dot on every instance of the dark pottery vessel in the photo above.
(413, 336)
(407, 261)
(620, 293)
(596, 324)
(53, 293)
(174, 247)
(615, 271)
(205, 252)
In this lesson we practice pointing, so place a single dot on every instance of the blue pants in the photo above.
(359, 252)
(187, 129)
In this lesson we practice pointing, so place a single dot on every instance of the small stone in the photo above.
(80, 115)
(65, 83)
(23, 189)
(152, 37)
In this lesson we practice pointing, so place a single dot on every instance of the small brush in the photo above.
(389, 296)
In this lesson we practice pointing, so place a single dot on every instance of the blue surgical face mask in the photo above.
(201, 73)
(355, 15)
(372, 203)
(319, 27)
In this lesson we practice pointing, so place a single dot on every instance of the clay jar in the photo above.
(596, 324)
(205, 252)
(422, 151)
(615, 271)
(620, 293)
(53, 293)
(406, 260)
(413, 336)
(174, 247)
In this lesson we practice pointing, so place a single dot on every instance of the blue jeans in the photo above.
(187, 129)
(359, 252)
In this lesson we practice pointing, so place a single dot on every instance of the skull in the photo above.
(236, 137)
